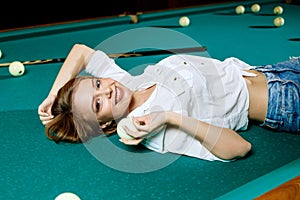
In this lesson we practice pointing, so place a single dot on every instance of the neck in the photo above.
(140, 97)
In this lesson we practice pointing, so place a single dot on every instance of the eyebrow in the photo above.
(93, 99)
(93, 82)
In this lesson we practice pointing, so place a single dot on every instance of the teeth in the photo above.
(117, 95)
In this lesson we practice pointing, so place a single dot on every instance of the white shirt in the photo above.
(215, 92)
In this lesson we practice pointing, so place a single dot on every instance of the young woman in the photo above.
(184, 104)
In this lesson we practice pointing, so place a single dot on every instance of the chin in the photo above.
(121, 109)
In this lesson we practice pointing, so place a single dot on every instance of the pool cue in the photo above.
(119, 55)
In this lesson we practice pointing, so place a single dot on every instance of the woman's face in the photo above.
(104, 98)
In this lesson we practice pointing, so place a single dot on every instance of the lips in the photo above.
(118, 95)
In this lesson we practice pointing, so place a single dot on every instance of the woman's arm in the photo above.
(75, 62)
(222, 142)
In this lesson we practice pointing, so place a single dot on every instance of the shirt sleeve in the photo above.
(100, 65)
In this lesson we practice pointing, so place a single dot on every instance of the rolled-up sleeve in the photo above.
(100, 65)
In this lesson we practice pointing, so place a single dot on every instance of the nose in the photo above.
(104, 91)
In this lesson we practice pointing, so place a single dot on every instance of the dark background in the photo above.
(26, 13)
(16, 15)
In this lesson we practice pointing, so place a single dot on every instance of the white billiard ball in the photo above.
(278, 10)
(16, 68)
(120, 128)
(240, 9)
(67, 196)
(279, 21)
(255, 8)
(184, 21)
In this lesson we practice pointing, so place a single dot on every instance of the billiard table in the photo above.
(33, 167)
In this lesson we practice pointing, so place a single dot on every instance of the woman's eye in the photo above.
(98, 83)
(97, 105)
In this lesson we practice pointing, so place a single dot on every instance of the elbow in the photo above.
(79, 45)
(244, 149)
(239, 151)
(81, 48)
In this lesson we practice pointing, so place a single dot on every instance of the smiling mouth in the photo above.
(117, 95)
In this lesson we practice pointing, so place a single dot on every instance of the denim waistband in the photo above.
(283, 81)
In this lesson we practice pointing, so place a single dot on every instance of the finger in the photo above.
(130, 142)
(43, 114)
(139, 121)
(135, 134)
(42, 110)
(44, 122)
(47, 118)
(141, 125)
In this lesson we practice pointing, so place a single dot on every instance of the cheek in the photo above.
(106, 113)
(110, 112)
(117, 112)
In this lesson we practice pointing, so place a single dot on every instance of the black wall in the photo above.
(26, 13)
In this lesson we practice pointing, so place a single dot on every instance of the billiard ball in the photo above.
(67, 196)
(255, 8)
(184, 21)
(240, 9)
(279, 21)
(16, 68)
(0, 53)
(120, 128)
(278, 10)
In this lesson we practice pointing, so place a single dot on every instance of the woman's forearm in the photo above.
(75, 62)
(222, 142)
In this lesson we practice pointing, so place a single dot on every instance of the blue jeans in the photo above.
(283, 81)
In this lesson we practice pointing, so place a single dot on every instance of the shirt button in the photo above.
(176, 78)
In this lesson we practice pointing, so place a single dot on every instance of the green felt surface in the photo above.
(265, 183)
(33, 167)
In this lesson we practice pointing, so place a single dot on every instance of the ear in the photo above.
(104, 124)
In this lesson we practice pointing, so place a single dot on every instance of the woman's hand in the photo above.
(44, 109)
(147, 126)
